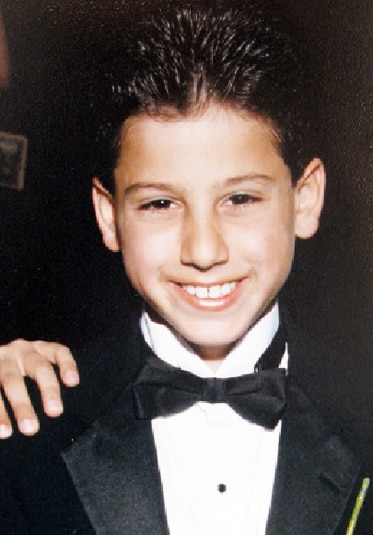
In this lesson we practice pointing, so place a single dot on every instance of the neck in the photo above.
(212, 359)
(212, 355)
(208, 360)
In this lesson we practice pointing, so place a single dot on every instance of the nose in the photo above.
(203, 244)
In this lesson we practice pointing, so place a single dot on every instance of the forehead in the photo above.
(219, 142)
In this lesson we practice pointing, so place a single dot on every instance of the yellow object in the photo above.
(358, 505)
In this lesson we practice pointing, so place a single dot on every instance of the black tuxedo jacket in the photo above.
(94, 470)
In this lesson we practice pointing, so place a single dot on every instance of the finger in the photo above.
(16, 393)
(61, 356)
(42, 372)
(5, 425)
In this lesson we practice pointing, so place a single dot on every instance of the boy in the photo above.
(204, 137)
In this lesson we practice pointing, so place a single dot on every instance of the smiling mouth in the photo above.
(216, 291)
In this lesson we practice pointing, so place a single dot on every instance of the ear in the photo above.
(104, 206)
(309, 199)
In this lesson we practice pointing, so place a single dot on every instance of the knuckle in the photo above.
(9, 378)
(44, 370)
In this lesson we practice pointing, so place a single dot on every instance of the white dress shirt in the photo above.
(217, 469)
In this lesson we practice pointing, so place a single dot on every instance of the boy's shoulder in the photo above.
(107, 365)
(337, 386)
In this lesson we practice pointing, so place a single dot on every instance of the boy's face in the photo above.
(206, 217)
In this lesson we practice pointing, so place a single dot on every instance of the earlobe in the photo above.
(309, 199)
(103, 204)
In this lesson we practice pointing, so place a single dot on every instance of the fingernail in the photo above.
(71, 377)
(54, 407)
(5, 431)
(28, 427)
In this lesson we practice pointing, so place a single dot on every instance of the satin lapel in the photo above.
(115, 472)
(315, 474)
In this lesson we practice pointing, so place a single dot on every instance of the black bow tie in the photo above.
(161, 389)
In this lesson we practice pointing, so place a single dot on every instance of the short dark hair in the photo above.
(181, 58)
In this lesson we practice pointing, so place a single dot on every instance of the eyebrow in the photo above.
(167, 187)
(252, 177)
(140, 186)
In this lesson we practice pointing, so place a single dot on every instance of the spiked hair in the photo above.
(178, 60)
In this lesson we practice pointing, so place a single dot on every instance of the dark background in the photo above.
(58, 281)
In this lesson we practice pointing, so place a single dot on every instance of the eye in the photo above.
(157, 204)
(242, 198)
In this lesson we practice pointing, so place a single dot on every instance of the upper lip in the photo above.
(209, 284)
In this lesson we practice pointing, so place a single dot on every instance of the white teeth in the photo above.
(202, 292)
(190, 289)
(213, 292)
(228, 287)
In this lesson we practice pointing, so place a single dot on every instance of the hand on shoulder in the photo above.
(22, 358)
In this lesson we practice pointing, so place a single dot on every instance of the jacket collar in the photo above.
(117, 500)
(315, 475)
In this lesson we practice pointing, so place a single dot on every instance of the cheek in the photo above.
(270, 244)
(144, 253)
(280, 247)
